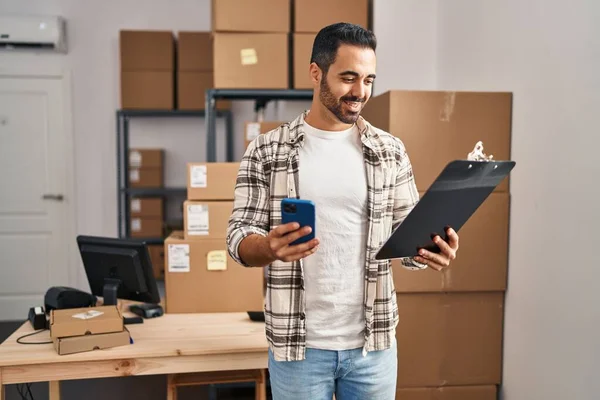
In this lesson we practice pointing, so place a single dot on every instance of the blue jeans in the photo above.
(346, 373)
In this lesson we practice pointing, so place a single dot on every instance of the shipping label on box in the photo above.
(212, 181)
(198, 176)
(197, 219)
(179, 257)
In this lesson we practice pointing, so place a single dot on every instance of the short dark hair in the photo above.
(329, 39)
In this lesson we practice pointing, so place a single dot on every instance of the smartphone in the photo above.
(302, 212)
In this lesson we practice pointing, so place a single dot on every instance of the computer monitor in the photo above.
(118, 269)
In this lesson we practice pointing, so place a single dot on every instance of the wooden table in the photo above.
(171, 344)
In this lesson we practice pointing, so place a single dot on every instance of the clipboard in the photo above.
(454, 196)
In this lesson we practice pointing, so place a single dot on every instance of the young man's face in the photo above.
(346, 87)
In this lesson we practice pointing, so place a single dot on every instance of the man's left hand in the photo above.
(446, 255)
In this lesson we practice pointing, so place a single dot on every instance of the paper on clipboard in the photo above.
(459, 190)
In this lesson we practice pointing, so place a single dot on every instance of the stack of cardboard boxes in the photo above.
(78, 330)
(195, 70)
(147, 69)
(200, 275)
(307, 23)
(451, 323)
(146, 170)
(251, 43)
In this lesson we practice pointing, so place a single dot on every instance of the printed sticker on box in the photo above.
(198, 176)
(179, 257)
(135, 159)
(88, 314)
(248, 56)
(136, 205)
(197, 219)
(136, 224)
(134, 175)
(216, 260)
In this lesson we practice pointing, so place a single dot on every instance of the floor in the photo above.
(135, 387)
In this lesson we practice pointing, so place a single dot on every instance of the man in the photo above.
(330, 307)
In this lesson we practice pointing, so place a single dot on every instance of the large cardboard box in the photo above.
(85, 321)
(449, 339)
(212, 181)
(147, 50)
(147, 207)
(251, 60)
(488, 392)
(147, 90)
(438, 127)
(206, 219)
(194, 51)
(482, 259)
(191, 90)
(253, 129)
(303, 43)
(313, 15)
(201, 277)
(251, 16)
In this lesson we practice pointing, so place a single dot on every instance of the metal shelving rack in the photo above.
(124, 192)
(261, 96)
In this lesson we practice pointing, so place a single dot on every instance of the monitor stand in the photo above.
(109, 293)
(111, 286)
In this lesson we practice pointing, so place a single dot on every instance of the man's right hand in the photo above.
(279, 240)
(261, 251)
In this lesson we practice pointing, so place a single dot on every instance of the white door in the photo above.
(33, 201)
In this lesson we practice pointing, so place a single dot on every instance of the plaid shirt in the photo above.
(268, 173)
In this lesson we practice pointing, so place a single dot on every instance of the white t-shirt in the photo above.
(333, 176)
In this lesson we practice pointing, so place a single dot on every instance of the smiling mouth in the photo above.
(353, 105)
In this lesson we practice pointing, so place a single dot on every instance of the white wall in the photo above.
(548, 54)
(406, 44)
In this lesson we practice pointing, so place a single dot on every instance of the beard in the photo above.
(336, 106)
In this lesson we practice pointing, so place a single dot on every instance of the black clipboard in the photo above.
(454, 196)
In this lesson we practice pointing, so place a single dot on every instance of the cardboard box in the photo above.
(313, 15)
(146, 158)
(145, 177)
(79, 344)
(438, 127)
(147, 90)
(251, 60)
(146, 207)
(195, 51)
(449, 339)
(191, 91)
(251, 16)
(488, 392)
(206, 219)
(157, 257)
(253, 129)
(303, 43)
(85, 321)
(143, 227)
(200, 277)
(482, 260)
(212, 181)
(147, 50)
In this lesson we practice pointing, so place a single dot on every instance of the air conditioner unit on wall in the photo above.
(33, 33)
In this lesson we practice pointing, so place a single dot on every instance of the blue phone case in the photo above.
(302, 212)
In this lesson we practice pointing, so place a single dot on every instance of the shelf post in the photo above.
(211, 135)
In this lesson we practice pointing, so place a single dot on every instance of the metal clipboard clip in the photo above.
(478, 155)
